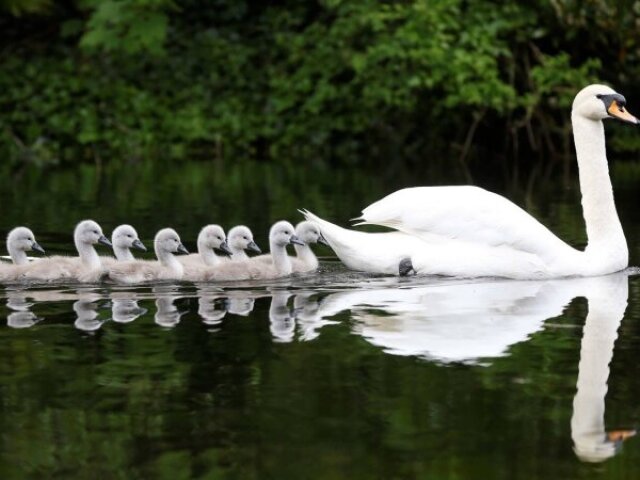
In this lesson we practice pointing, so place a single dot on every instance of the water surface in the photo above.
(334, 375)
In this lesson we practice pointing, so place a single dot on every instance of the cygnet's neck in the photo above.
(238, 254)
(280, 258)
(123, 254)
(304, 253)
(168, 259)
(207, 254)
(88, 254)
(18, 256)
(604, 231)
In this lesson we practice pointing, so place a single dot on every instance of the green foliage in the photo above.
(340, 80)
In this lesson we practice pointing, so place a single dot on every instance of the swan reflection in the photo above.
(471, 322)
(452, 322)
(607, 304)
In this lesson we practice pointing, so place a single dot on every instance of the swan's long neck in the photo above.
(168, 260)
(280, 258)
(18, 256)
(207, 254)
(604, 230)
(304, 253)
(88, 254)
(123, 254)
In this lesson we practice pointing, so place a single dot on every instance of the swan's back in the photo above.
(465, 213)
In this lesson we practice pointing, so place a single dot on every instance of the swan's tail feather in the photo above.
(344, 242)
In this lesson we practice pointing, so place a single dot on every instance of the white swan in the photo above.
(468, 231)
(305, 260)
(86, 268)
(240, 239)
(166, 243)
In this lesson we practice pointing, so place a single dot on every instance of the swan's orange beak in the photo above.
(620, 435)
(619, 112)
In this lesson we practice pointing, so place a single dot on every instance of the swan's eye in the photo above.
(130, 236)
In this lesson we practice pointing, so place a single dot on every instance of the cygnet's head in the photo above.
(22, 239)
(241, 238)
(125, 236)
(599, 102)
(212, 236)
(309, 232)
(168, 241)
(282, 234)
(89, 232)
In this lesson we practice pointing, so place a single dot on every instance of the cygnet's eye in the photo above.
(245, 238)
(96, 232)
(129, 235)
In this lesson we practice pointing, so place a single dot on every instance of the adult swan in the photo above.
(468, 231)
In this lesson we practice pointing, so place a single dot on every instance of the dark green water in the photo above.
(327, 376)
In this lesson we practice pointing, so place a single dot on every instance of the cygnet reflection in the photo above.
(86, 310)
(21, 315)
(240, 302)
(306, 306)
(167, 314)
(124, 308)
(212, 305)
(282, 322)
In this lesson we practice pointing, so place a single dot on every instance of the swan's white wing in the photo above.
(465, 213)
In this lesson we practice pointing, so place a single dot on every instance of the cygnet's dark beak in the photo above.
(224, 248)
(36, 247)
(104, 241)
(139, 245)
(182, 249)
(323, 241)
(296, 240)
(253, 246)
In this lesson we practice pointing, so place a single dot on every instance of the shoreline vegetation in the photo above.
(337, 82)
